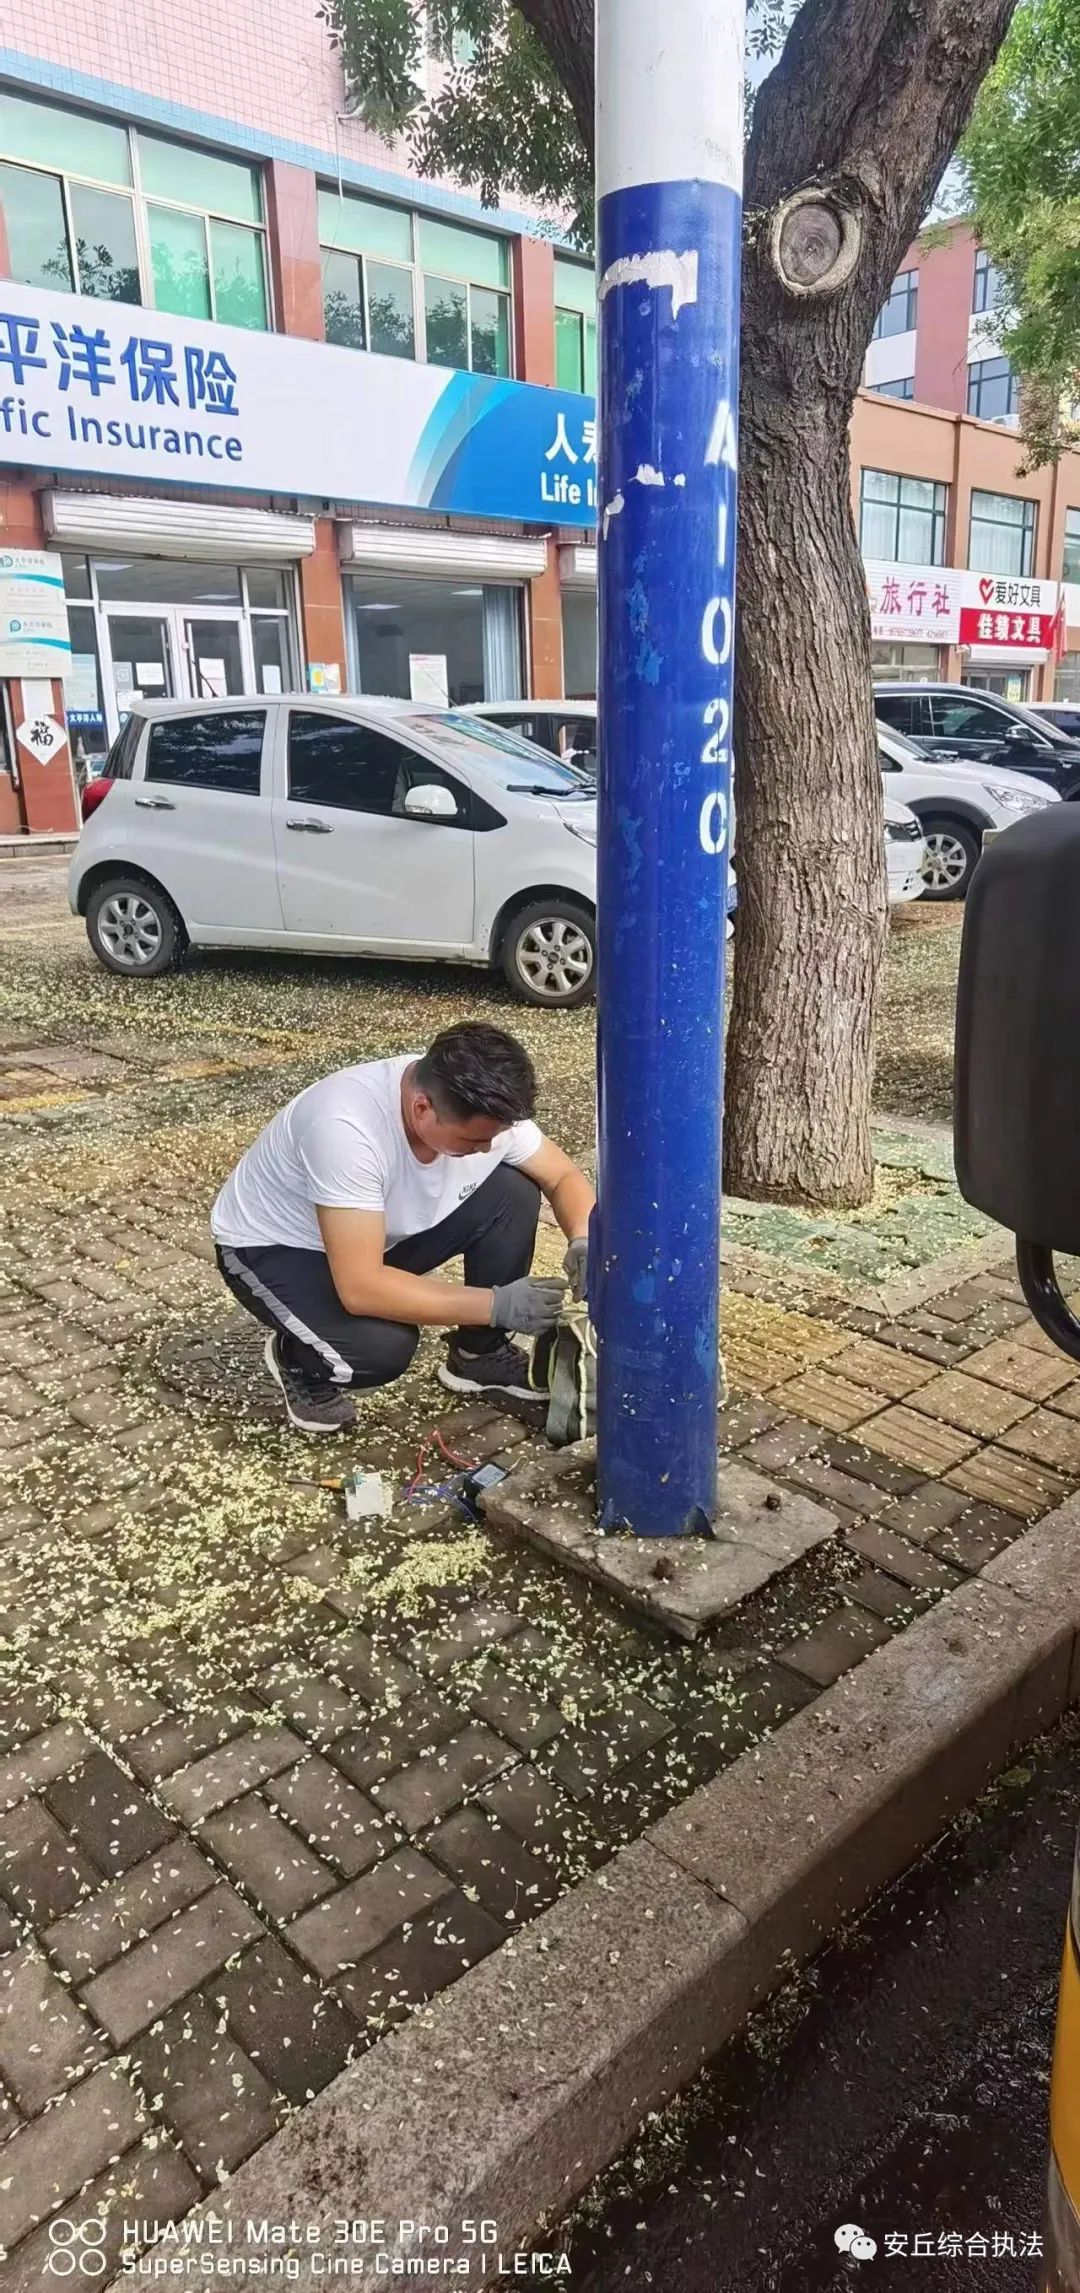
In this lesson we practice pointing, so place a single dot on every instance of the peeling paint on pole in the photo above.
(669, 177)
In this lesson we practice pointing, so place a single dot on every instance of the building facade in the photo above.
(274, 413)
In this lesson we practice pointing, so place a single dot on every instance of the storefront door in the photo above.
(174, 655)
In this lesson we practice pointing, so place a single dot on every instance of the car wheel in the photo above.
(134, 928)
(549, 955)
(952, 852)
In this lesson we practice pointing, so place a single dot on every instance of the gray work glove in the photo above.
(528, 1306)
(576, 1263)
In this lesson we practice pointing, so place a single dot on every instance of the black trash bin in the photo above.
(1016, 1122)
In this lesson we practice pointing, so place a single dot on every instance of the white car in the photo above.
(346, 827)
(567, 729)
(955, 803)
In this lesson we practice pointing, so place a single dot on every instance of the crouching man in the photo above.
(332, 1226)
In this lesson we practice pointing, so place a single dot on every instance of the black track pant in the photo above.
(292, 1290)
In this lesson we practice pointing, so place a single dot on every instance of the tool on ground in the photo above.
(368, 1496)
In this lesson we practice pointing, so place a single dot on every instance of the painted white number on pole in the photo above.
(718, 713)
(713, 825)
(716, 649)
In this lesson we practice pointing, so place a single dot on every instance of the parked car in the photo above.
(905, 854)
(565, 728)
(981, 728)
(351, 827)
(956, 804)
(1064, 714)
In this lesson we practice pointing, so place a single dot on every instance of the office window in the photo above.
(410, 287)
(902, 518)
(986, 293)
(1070, 563)
(78, 194)
(575, 326)
(903, 388)
(993, 390)
(899, 314)
(1002, 534)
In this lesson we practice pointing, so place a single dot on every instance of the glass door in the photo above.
(213, 656)
(142, 661)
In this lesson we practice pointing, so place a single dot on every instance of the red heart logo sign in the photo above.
(986, 591)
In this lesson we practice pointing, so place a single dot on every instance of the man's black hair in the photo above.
(477, 1070)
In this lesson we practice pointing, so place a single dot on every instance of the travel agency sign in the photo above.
(110, 390)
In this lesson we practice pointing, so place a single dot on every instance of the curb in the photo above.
(502, 2101)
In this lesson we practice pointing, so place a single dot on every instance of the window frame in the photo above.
(938, 515)
(1027, 527)
(977, 380)
(902, 388)
(246, 708)
(1067, 539)
(985, 270)
(140, 201)
(910, 281)
(410, 758)
(415, 269)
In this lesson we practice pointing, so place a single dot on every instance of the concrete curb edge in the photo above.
(503, 2099)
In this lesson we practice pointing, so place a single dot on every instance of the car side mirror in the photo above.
(1018, 732)
(431, 801)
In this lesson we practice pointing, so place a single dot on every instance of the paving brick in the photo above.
(179, 1958)
(265, 1857)
(980, 1533)
(523, 1715)
(429, 1788)
(46, 2040)
(947, 1353)
(48, 2160)
(113, 1704)
(1021, 1369)
(897, 1603)
(180, 1742)
(153, 2183)
(108, 1815)
(42, 1873)
(545, 1819)
(208, 2091)
(9, 1930)
(851, 1455)
(996, 1478)
(295, 2031)
(332, 1815)
(842, 1639)
(131, 1908)
(922, 1515)
(316, 1707)
(352, 1923)
(391, 1739)
(1068, 1399)
(38, 1762)
(585, 1757)
(414, 1967)
(835, 1489)
(883, 1369)
(921, 1443)
(743, 1420)
(25, 1714)
(772, 1452)
(973, 1407)
(484, 1856)
(824, 1397)
(1048, 1437)
(475, 1628)
(196, 1792)
(912, 1563)
(366, 1668)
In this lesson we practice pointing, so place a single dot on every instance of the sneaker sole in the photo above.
(456, 1384)
(302, 1424)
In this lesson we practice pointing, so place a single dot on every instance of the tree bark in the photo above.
(863, 110)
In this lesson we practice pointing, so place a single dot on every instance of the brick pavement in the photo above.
(268, 1782)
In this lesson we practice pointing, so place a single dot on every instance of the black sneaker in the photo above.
(505, 1370)
(313, 1405)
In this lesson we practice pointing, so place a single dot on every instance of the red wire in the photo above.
(450, 1455)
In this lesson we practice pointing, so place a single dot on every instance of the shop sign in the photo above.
(914, 604)
(42, 736)
(34, 638)
(118, 392)
(1007, 615)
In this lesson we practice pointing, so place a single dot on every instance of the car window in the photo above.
(515, 763)
(222, 752)
(119, 764)
(578, 734)
(907, 713)
(966, 719)
(352, 768)
(540, 729)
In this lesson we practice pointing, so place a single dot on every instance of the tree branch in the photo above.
(566, 32)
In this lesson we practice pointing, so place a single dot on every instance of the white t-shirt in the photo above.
(342, 1145)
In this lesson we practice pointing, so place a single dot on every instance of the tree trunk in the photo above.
(810, 926)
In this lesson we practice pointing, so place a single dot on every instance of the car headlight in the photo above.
(1016, 799)
(585, 835)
